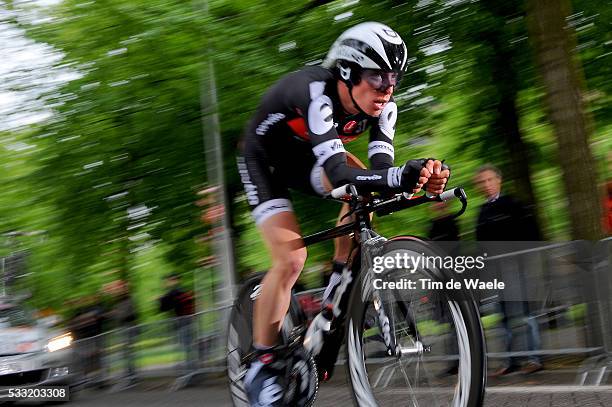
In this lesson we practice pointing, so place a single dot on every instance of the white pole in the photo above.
(222, 239)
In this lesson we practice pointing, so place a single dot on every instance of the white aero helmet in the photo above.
(370, 46)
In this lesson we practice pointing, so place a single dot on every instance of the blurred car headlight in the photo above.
(59, 342)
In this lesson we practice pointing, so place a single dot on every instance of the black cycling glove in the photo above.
(406, 177)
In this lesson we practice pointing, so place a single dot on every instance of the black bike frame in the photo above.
(361, 208)
(381, 207)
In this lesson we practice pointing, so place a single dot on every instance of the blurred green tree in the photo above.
(561, 72)
(117, 169)
(122, 159)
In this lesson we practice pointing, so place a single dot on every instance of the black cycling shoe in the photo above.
(265, 381)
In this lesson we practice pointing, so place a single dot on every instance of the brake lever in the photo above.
(354, 203)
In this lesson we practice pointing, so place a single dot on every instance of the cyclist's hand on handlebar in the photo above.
(438, 175)
(414, 176)
(416, 173)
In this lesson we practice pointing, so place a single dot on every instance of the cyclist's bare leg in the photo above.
(281, 234)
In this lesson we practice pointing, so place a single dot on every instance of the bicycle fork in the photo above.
(384, 311)
(384, 324)
(387, 329)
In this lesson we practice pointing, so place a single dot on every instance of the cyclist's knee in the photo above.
(290, 265)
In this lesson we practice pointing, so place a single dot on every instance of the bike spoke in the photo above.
(415, 366)
(428, 375)
(412, 393)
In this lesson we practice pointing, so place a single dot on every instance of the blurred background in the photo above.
(120, 202)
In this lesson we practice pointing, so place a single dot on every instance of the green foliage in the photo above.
(127, 132)
(118, 168)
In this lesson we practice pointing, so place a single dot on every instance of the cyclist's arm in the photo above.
(381, 152)
(340, 173)
(317, 110)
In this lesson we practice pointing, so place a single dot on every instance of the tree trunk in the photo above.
(561, 75)
(505, 78)
(506, 124)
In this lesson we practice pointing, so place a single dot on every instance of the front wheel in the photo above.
(440, 357)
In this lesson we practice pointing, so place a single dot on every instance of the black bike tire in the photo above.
(356, 372)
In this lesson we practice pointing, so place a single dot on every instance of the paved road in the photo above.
(215, 395)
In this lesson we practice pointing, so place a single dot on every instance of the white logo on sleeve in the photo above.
(268, 122)
(327, 149)
(320, 115)
(368, 177)
(316, 89)
(387, 120)
(380, 147)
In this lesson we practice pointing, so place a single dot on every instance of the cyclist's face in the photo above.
(489, 183)
(374, 91)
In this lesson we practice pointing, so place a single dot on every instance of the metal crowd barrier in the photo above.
(563, 293)
(596, 369)
(177, 347)
(559, 294)
(568, 288)
(553, 285)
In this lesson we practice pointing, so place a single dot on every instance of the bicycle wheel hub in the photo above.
(418, 349)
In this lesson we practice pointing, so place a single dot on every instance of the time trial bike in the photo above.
(415, 344)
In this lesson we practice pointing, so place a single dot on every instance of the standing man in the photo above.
(444, 226)
(502, 218)
(181, 303)
(124, 314)
(87, 324)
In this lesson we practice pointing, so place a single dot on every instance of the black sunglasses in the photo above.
(380, 80)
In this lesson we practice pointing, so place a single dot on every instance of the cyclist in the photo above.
(296, 141)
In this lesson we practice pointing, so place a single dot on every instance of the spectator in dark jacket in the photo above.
(181, 303)
(86, 326)
(178, 301)
(123, 313)
(444, 226)
(503, 218)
